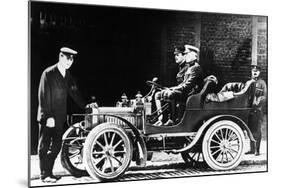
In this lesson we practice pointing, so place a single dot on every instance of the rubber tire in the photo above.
(65, 161)
(95, 133)
(205, 145)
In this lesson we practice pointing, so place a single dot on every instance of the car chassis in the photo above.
(108, 138)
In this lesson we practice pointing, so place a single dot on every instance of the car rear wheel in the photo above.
(107, 151)
(193, 157)
(223, 145)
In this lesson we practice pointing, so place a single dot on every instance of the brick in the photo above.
(262, 32)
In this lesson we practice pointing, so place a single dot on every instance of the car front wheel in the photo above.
(107, 151)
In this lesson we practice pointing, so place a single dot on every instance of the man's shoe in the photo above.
(158, 123)
(55, 177)
(169, 123)
(257, 153)
(49, 180)
(249, 152)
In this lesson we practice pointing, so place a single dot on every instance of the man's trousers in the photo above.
(50, 141)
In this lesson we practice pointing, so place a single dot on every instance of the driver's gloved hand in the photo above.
(167, 94)
(92, 105)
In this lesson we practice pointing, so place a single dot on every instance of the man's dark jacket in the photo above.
(189, 78)
(52, 94)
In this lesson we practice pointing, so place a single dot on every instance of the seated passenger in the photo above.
(229, 91)
(189, 79)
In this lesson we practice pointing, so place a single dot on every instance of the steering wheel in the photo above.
(153, 83)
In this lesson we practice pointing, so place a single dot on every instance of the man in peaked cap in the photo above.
(55, 85)
(124, 101)
(256, 114)
(189, 79)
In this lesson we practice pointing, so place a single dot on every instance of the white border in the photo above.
(13, 157)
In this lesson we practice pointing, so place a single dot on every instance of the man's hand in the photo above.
(50, 122)
(167, 93)
(92, 105)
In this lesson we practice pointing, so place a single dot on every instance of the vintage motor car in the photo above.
(106, 139)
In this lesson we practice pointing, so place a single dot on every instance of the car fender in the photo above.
(210, 122)
(235, 119)
(68, 131)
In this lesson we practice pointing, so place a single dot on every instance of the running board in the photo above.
(164, 135)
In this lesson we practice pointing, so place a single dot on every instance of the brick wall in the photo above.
(262, 46)
(225, 43)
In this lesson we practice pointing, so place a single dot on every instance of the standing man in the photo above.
(256, 115)
(55, 85)
(189, 79)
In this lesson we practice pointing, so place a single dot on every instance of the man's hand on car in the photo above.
(50, 122)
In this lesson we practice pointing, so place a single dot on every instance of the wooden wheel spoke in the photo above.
(112, 139)
(216, 152)
(100, 160)
(225, 153)
(214, 147)
(233, 150)
(105, 139)
(119, 162)
(117, 152)
(233, 138)
(219, 155)
(193, 155)
(230, 135)
(120, 141)
(98, 152)
(226, 133)
(102, 146)
(217, 137)
(74, 154)
(198, 157)
(111, 164)
(221, 134)
(104, 165)
(230, 154)
(230, 132)
(222, 156)
(202, 156)
(215, 141)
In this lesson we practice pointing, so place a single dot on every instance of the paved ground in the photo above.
(170, 171)
(162, 165)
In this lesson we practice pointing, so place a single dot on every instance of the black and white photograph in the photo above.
(120, 94)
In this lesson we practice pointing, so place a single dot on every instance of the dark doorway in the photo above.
(119, 49)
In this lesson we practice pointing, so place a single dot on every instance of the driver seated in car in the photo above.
(189, 79)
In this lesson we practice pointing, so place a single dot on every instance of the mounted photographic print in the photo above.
(123, 94)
